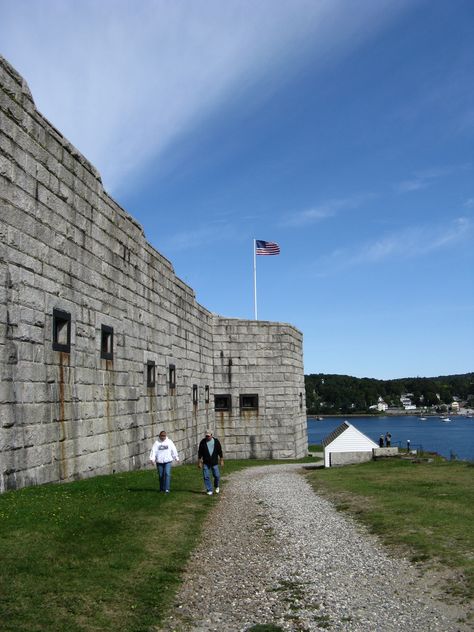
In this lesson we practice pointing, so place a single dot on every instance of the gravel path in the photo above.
(275, 552)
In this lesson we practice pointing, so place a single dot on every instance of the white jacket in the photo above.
(164, 451)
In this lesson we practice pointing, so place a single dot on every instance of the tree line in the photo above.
(334, 394)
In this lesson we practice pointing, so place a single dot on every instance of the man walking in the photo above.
(209, 457)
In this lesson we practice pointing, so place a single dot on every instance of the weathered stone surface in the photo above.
(382, 452)
(68, 413)
(349, 458)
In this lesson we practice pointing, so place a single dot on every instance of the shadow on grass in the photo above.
(143, 489)
(173, 492)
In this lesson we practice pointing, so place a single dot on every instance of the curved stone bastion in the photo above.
(101, 344)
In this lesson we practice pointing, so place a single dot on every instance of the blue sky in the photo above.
(342, 130)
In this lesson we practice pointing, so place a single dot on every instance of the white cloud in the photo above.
(414, 242)
(196, 237)
(425, 178)
(325, 210)
(413, 184)
(310, 216)
(125, 80)
(406, 244)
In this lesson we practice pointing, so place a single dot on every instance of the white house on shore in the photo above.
(380, 406)
(347, 445)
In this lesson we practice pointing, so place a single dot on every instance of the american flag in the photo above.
(266, 247)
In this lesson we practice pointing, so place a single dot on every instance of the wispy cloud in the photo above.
(414, 242)
(123, 81)
(196, 238)
(325, 210)
(406, 244)
(425, 178)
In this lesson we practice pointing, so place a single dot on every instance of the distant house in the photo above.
(455, 407)
(380, 406)
(346, 445)
(407, 402)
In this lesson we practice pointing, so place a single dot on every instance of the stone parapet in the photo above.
(385, 452)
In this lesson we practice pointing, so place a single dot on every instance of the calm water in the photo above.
(434, 435)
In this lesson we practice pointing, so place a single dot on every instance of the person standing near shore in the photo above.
(162, 454)
(209, 457)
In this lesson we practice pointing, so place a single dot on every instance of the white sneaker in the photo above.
(209, 493)
(217, 490)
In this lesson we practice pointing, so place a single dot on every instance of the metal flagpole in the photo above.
(255, 277)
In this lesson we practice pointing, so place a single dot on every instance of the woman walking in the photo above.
(162, 454)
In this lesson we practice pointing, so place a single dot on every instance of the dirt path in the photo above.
(275, 552)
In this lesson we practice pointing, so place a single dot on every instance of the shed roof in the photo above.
(335, 433)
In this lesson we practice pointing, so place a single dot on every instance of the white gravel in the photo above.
(275, 552)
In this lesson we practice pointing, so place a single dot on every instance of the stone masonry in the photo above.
(101, 345)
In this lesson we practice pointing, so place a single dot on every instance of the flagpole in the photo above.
(255, 278)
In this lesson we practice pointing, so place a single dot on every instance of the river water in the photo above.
(450, 438)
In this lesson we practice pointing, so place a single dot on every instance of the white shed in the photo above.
(346, 445)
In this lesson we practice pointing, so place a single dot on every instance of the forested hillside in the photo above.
(333, 394)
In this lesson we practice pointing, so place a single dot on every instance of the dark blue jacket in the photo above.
(210, 459)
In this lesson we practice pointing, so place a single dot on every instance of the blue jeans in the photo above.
(206, 472)
(164, 474)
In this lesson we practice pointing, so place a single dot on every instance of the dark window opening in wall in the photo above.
(223, 402)
(249, 402)
(172, 376)
(206, 394)
(301, 401)
(61, 331)
(107, 343)
(150, 373)
(195, 394)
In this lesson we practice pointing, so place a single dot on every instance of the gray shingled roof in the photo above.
(335, 433)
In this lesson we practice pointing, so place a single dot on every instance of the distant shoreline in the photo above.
(407, 413)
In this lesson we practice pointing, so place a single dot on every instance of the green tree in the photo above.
(330, 393)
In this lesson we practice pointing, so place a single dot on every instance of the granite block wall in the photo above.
(260, 366)
(101, 344)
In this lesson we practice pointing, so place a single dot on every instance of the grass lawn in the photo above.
(105, 553)
(427, 509)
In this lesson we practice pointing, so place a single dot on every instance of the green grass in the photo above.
(98, 554)
(105, 553)
(427, 509)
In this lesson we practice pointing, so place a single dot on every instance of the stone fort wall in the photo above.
(101, 344)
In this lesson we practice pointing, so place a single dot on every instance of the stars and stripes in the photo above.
(266, 247)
